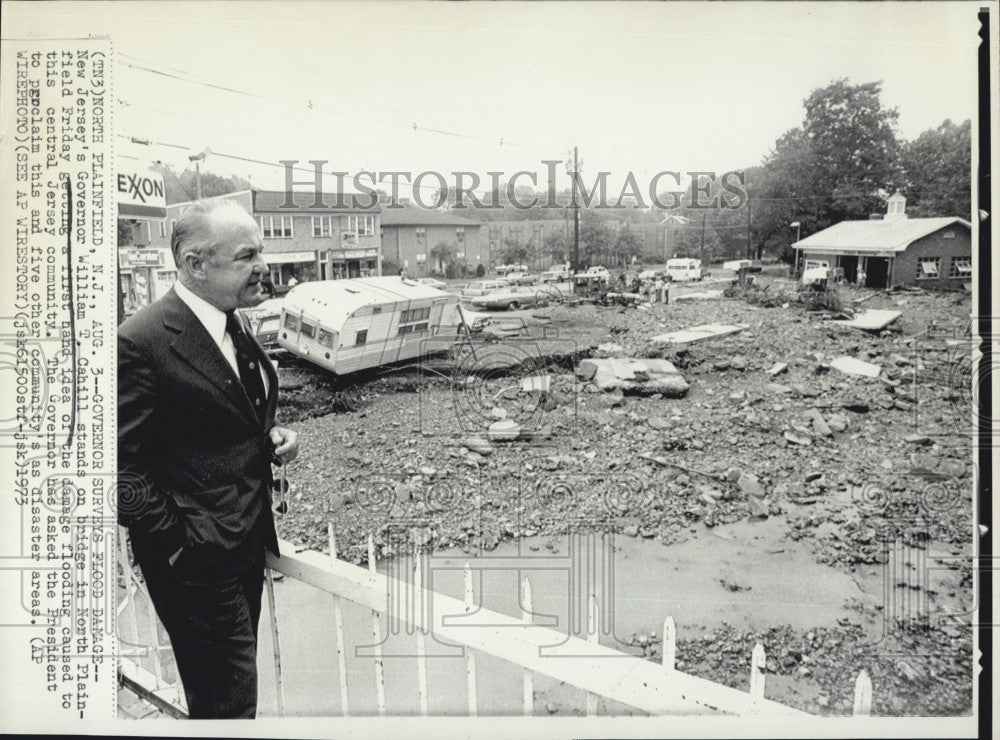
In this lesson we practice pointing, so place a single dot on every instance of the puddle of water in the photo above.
(642, 581)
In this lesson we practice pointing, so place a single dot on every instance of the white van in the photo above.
(684, 270)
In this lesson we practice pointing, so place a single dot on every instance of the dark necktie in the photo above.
(247, 362)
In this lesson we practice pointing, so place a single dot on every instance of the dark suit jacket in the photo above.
(193, 459)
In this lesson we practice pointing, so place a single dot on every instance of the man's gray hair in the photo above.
(192, 233)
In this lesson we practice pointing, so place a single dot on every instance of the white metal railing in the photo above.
(600, 671)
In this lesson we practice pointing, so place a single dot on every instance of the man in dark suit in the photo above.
(196, 440)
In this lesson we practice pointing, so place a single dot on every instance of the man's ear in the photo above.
(195, 265)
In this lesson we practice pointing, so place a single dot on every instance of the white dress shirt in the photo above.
(214, 322)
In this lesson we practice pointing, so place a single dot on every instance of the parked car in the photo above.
(555, 276)
(433, 282)
(482, 287)
(520, 277)
(512, 297)
(652, 274)
(504, 270)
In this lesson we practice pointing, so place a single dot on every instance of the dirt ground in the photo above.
(762, 491)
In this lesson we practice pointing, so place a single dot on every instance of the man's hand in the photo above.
(286, 443)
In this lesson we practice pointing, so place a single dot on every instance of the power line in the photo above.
(204, 81)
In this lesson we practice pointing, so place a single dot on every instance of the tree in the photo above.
(514, 252)
(596, 238)
(626, 245)
(937, 167)
(556, 245)
(839, 165)
(184, 187)
(442, 252)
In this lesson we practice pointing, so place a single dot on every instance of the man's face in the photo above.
(233, 275)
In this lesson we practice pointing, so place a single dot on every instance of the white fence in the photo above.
(599, 671)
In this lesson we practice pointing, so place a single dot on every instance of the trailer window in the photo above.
(414, 314)
(361, 337)
(291, 322)
(308, 329)
(325, 338)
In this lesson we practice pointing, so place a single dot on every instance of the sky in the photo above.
(411, 86)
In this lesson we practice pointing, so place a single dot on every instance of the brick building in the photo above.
(300, 241)
(423, 242)
(895, 250)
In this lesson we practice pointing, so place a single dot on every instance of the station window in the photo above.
(961, 267)
(928, 268)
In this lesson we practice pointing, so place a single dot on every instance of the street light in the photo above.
(197, 159)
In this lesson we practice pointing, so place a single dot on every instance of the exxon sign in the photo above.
(141, 194)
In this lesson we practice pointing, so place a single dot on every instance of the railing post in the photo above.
(130, 591)
(863, 695)
(470, 658)
(418, 596)
(529, 681)
(593, 633)
(377, 635)
(758, 663)
(669, 644)
(338, 619)
(274, 639)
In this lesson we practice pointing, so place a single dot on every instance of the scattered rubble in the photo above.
(835, 461)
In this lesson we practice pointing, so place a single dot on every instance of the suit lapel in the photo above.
(194, 345)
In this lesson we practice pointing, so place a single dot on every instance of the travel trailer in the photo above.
(684, 269)
(350, 325)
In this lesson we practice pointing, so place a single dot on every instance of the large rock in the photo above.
(505, 429)
(699, 333)
(853, 366)
(645, 377)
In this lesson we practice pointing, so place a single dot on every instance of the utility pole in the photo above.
(749, 217)
(703, 216)
(576, 215)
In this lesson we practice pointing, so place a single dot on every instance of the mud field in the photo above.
(781, 500)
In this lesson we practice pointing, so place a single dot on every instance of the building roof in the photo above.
(272, 201)
(406, 214)
(331, 302)
(885, 235)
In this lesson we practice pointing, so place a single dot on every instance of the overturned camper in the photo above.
(196, 440)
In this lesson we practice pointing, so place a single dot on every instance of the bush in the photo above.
(480, 270)
(389, 267)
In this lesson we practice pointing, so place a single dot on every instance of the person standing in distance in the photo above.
(196, 440)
